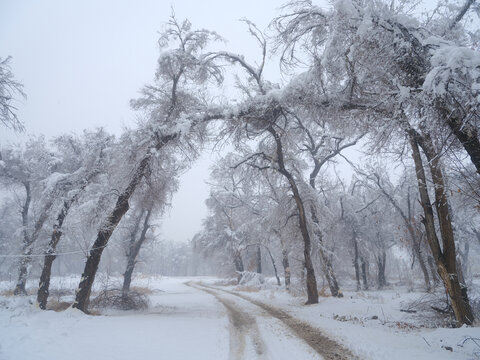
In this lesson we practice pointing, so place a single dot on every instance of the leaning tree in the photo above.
(175, 114)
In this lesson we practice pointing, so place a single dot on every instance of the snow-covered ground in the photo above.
(188, 322)
(371, 324)
(182, 323)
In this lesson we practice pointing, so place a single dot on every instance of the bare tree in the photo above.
(9, 89)
(166, 102)
(29, 168)
(90, 164)
(413, 81)
(265, 115)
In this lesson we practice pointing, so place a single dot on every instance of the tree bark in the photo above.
(381, 263)
(258, 257)
(468, 137)
(444, 258)
(134, 249)
(356, 265)
(44, 285)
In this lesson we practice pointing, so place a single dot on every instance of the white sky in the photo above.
(82, 61)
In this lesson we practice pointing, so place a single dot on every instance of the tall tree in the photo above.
(33, 168)
(262, 116)
(167, 103)
(150, 201)
(393, 93)
(85, 160)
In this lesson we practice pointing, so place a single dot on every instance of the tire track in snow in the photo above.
(241, 326)
(324, 346)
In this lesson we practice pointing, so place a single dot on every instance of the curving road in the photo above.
(260, 331)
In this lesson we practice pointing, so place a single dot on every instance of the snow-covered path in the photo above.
(184, 322)
(254, 334)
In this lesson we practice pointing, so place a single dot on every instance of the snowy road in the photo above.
(255, 334)
(216, 323)
(184, 322)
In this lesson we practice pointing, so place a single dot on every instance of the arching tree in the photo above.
(168, 103)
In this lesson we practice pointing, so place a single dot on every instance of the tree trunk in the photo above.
(106, 231)
(44, 285)
(381, 263)
(326, 262)
(30, 240)
(311, 281)
(238, 263)
(121, 207)
(444, 258)
(330, 275)
(286, 268)
(458, 289)
(23, 272)
(364, 267)
(134, 249)
(20, 287)
(468, 136)
(258, 257)
(411, 230)
(131, 244)
(356, 265)
(317, 233)
(423, 266)
(274, 265)
(28, 249)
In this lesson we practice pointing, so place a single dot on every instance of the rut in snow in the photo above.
(241, 326)
(324, 346)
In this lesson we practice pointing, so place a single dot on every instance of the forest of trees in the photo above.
(390, 94)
